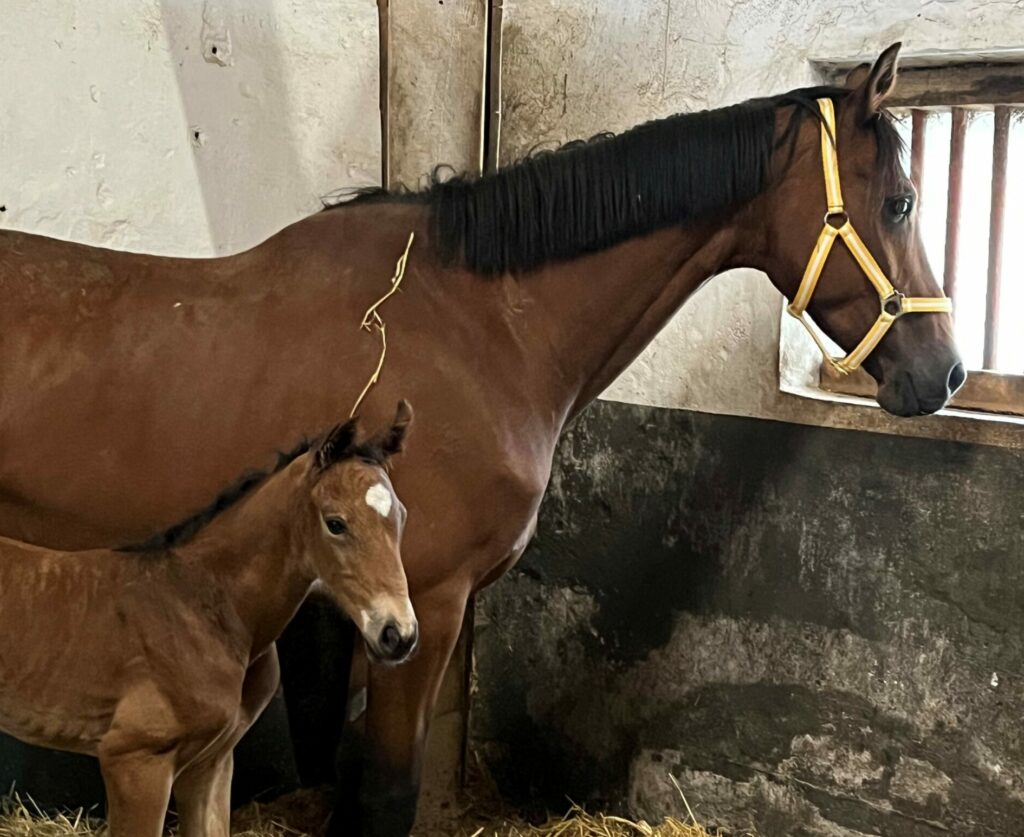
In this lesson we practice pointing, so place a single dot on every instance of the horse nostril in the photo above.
(390, 639)
(957, 376)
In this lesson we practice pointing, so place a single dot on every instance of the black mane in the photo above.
(184, 531)
(589, 195)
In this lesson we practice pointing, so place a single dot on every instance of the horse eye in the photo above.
(899, 208)
(336, 526)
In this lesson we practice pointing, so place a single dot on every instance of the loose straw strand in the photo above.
(372, 318)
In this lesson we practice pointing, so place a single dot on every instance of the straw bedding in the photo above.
(305, 812)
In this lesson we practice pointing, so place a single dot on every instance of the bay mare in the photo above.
(158, 658)
(526, 293)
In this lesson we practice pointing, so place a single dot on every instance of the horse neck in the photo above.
(254, 553)
(600, 311)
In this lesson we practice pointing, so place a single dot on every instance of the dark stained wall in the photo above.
(820, 632)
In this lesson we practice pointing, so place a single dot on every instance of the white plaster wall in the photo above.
(576, 67)
(120, 125)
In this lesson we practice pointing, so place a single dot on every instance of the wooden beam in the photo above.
(919, 121)
(966, 83)
(1000, 150)
(492, 91)
(958, 134)
(384, 63)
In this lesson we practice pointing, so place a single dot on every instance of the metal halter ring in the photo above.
(895, 300)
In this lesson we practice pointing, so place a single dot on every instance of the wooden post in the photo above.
(1000, 149)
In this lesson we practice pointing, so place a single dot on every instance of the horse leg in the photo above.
(316, 652)
(203, 796)
(381, 801)
(138, 790)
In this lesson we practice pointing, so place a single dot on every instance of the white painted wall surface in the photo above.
(576, 67)
(121, 126)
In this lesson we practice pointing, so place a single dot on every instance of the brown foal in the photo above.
(157, 658)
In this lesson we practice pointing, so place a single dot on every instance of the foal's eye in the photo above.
(899, 208)
(335, 525)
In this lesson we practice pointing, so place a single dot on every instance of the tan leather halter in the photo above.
(894, 304)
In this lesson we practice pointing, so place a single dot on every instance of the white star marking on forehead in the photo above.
(378, 498)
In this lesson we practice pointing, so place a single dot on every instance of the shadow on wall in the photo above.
(233, 84)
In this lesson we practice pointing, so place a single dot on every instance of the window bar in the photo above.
(1000, 148)
(958, 133)
(918, 120)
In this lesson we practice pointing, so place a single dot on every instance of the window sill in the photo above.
(809, 403)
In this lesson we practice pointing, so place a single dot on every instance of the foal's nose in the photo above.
(393, 646)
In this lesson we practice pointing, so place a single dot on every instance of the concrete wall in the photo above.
(179, 127)
(817, 632)
(573, 68)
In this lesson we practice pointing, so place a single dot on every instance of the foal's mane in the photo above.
(184, 531)
(591, 194)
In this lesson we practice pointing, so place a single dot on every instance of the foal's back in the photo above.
(78, 630)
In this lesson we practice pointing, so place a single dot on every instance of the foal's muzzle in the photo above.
(393, 645)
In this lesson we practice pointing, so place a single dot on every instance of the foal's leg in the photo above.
(138, 790)
(261, 681)
(400, 701)
(203, 797)
(203, 791)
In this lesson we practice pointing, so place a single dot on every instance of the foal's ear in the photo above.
(872, 84)
(335, 444)
(393, 439)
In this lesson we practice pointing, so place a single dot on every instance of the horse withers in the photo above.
(158, 657)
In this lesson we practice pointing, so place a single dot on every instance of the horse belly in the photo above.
(60, 654)
(75, 732)
(51, 697)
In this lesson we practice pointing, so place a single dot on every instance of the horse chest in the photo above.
(477, 515)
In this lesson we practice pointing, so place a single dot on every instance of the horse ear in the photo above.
(393, 439)
(334, 445)
(857, 76)
(875, 84)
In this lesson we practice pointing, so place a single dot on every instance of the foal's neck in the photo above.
(254, 553)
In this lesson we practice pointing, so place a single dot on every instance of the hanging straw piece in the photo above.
(372, 318)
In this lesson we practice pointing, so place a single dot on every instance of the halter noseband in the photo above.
(837, 224)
